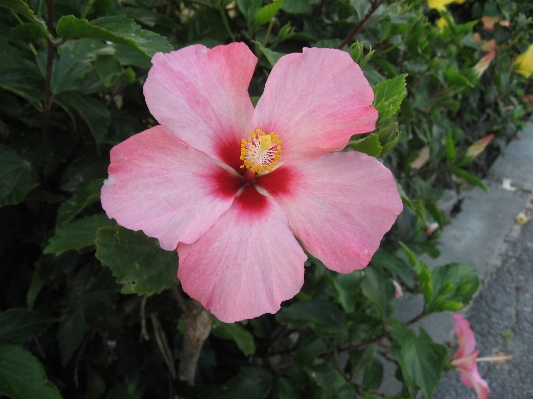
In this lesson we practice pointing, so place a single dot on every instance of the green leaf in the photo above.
(296, 6)
(116, 29)
(29, 32)
(346, 287)
(388, 97)
(387, 261)
(359, 359)
(285, 389)
(108, 69)
(17, 177)
(369, 145)
(422, 272)
(326, 376)
(23, 324)
(326, 319)
(416, 206)
(24, 83)
(249, 9)
(235, 331)
(421, 360)
(87, 196)
(266, 13)
(373, 375)
(22, 8)
(73, 64)
(22, 376)
(250, 383)
(454, 285)
(270, 55)
(137, 261)
(93, 112)
(77, 235)
(388, 137)
(378, 287)
(468, 177)
(70, 334)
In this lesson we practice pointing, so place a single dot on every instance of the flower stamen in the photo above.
(261, 152)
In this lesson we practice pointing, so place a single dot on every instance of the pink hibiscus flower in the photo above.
(232, 201)
(465, 359)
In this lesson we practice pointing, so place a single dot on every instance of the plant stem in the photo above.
(197, 329)
(225, 22)
(375, 5)
(269, 29)
(48, 98)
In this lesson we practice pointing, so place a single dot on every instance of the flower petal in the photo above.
(465, 337)
(315, 101)
(201, 96)
(169, 190)
(246, 264)
(470, 375)
(339, 205)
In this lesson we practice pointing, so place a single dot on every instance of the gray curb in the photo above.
(476, 235)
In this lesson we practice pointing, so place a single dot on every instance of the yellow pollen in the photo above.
(261, 152)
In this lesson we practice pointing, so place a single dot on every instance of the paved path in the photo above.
(485, 234)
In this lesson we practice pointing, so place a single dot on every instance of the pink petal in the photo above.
(470, 377)
(169, 190)
(465, 337)
(201, 96)
(246, 264)
(339, 205)
(315, 101)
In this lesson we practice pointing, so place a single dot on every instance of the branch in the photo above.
(197, 329)
(375, 5)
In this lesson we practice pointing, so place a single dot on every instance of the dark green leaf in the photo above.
(17, 177)
(249, 9)
(77, 235)
(87, 196)
(322, 316)
(29, 32)
(309, 349)
(22, 376)
(373, 375)
(108, 69)
(347, 287)
(251, 383)
(468, 177)
(285, 389)
(359, 359)
(454, 285)
(370, 145)
(22, 8)
(235, 331)
(378, 287)
(296, 6)
(93, 112)
(388, 96)
(270, 55)
(23, 324)
(326, 376)
(421, 360)
(70, 334)
(137, 261)
(387, 261)
(266, 13)
(116, 29)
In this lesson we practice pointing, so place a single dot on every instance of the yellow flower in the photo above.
(524, 63)
(442, 23)
(440, 5)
